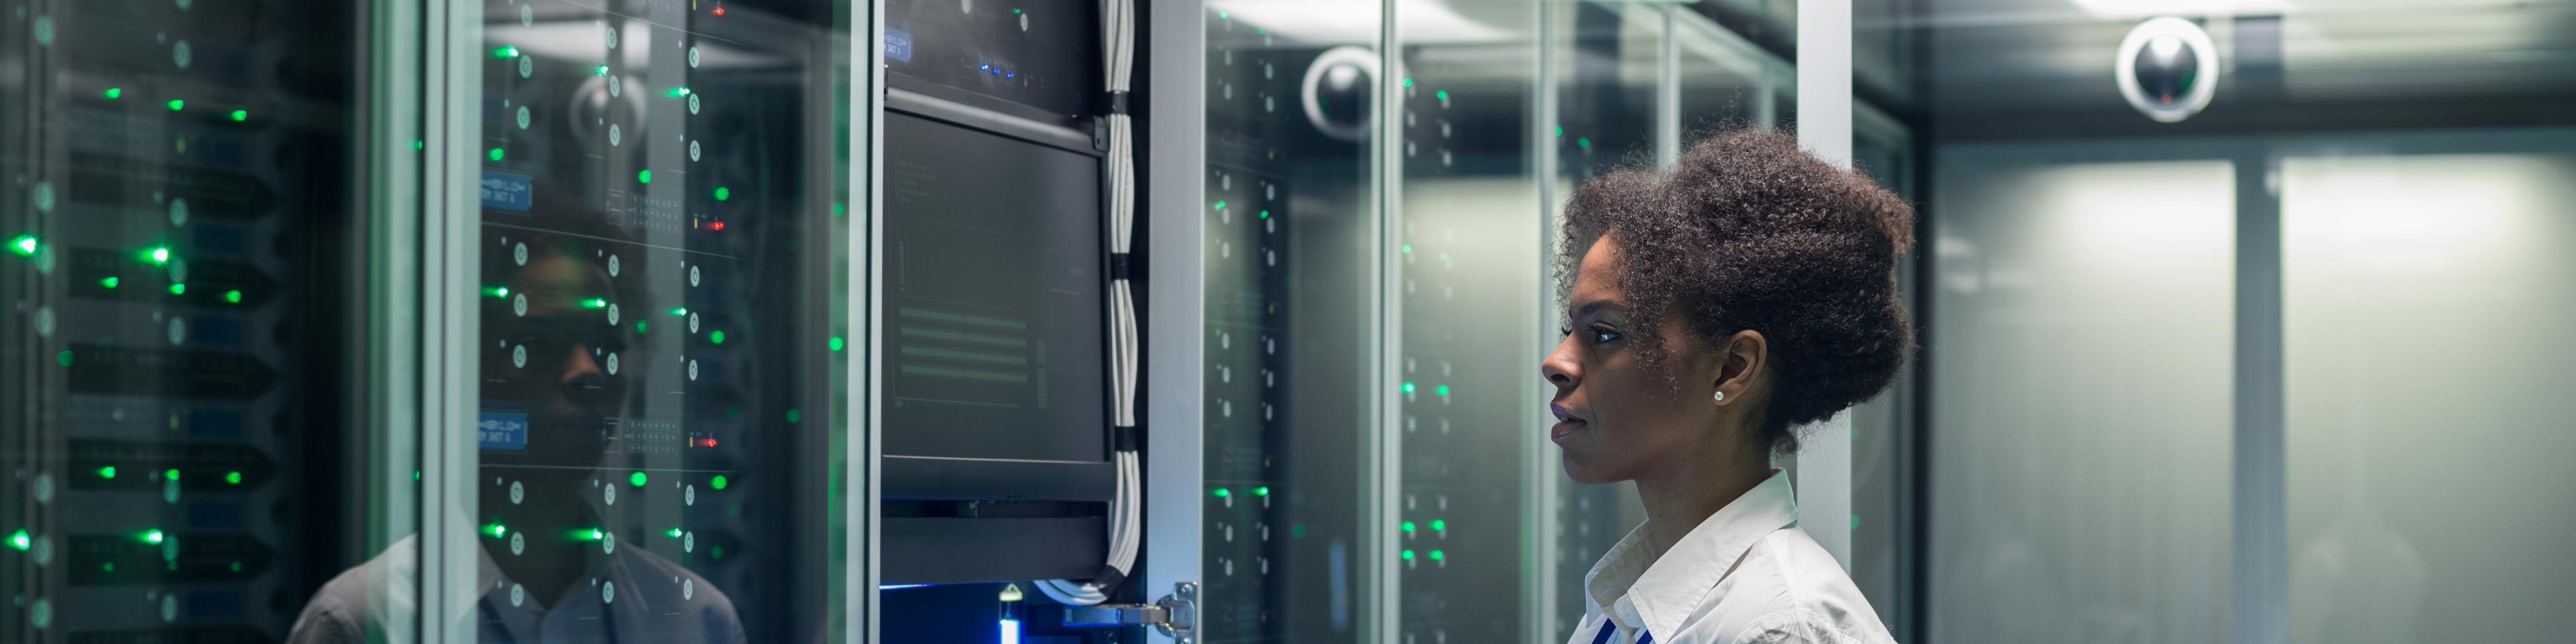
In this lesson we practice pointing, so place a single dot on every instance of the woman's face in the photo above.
(1618, 422)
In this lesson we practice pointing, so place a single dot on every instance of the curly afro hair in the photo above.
(1748, 231)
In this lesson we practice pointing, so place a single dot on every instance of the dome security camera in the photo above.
(2167, 69)
(1337, 90)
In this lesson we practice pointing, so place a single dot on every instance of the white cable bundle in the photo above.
(1126, 525)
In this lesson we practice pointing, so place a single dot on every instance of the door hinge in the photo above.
(1175, 615)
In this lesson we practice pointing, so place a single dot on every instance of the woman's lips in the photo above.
(1563, 429)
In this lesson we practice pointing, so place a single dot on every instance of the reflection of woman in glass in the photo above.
(559, 559)
(1710, 308)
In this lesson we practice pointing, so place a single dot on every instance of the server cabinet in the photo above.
(658, 255)
(182, 448)
(1289, 252)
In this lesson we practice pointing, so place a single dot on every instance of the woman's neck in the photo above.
(1677, 501)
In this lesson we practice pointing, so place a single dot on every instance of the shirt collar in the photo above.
(1658, 592)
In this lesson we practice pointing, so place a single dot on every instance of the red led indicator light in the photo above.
(718, 225)
(719, 11)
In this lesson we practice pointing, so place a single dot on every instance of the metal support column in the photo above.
(1175, 132)
(1824, 128)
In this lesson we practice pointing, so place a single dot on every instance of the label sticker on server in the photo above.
(502, 430)
(507, 190)
(898, 45)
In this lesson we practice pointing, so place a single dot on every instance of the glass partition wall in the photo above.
(1291, 220)
(662, 200)
(336, 322)
(187, 419)
(1464, 214)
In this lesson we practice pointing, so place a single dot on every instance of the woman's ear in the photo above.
(1743, 360)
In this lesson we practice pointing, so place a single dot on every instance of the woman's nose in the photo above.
(1559, 368)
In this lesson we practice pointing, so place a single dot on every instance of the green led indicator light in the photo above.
(159, 254)
(637, 479)
(836, 343)
(1560, 130)
(1437, 524)
(236, 566)
(794, 416)
(716, 552)
(23, 245)
(178, 289)
(679, 311)
(1440, 390)
(232, 296)
(241, 115)
(1406, 249)
(176, 105)
(170, 474)
(417, 144)
(495, 154)
(1436, 555)
(1407, 554)
(596, 534)
(1221, 15)
(1265, 214)
(154, 536)
(1297, 530)
(20, 540)
(1261, 491)
(837, 209)
(602, 70)
(677, 92)
(1015, 12)
(505, 52)
(1222, 492)
(718, 482)
(109, 282)
(65, 358)
(716, 336)
(107, 472)
(1855, 522)
(675, 533)
(1442, 94)
(1406, 526)
(1583, 142)
(722, 193)
(1220, 204)
(644, 176)
(640, 326)
(113, 92)
(496, 291)
(1408, 82)
(1408, 387)
(595, 303)
(496, 530)
(232, 477)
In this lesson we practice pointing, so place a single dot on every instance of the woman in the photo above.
(1711, 307)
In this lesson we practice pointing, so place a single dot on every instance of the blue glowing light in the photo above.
(1010, 631)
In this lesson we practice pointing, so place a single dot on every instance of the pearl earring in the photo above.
(1720, 397)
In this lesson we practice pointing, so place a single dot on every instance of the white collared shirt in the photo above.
(1746, 575)
(635, 596)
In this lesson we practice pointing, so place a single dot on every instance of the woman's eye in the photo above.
(1600, 336)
